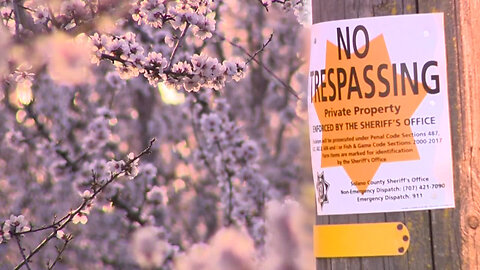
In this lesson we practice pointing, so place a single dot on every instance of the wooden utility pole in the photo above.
(447, 238)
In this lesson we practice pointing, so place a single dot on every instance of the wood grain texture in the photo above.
(445, 224)
(469, 111)
(446, 238)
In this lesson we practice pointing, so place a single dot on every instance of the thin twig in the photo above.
(26, 8)
(22, 251)
(60, 251)
(288, 87)
(260, 50)
(54, 225)
(175, 49)
(276, 1)
(264, 5)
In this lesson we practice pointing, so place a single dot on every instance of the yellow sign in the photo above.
(361, 240)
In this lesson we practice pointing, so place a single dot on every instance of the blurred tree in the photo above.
(86, 85)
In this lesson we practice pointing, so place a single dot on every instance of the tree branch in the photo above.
(45, 134)
(86, 201)
(288, 87)
(131, 214)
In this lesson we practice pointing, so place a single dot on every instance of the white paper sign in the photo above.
(378, 114)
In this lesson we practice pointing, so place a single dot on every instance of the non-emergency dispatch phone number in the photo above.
(424, 187)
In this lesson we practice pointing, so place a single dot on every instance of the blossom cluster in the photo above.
(207, 72)
(129, 59)
(16, 224)
(198, 14)
(234, 162)
(301, 8)
(98, 131)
